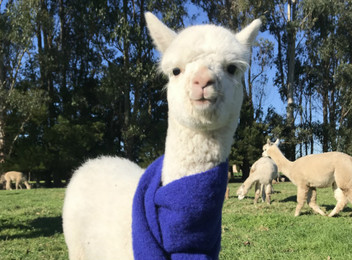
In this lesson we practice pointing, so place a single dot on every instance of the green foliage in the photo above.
(327, 28)
(77, 142)
(249, 140)
(89, 87)
(79, 79)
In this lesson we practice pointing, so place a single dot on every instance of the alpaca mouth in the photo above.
(203, 102)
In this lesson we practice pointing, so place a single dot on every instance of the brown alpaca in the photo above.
(316, 171)
(16, 177)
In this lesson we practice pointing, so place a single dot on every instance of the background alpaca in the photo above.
(262, 174)
(316, 171)
(205, 65)
(16, 177)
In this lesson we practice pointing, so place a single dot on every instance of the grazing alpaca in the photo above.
(16, 177)
(316, 171)
(205, 65)
(262, 174)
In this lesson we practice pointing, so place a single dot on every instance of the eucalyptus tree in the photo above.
(20, 99)
(131, 84)
(328, 33)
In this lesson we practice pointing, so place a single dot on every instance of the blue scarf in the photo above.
(181, 220)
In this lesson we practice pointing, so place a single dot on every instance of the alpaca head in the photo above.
(205, 65)
(241, 192)
(269, 146)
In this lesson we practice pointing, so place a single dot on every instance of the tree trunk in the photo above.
(2, 107)
(46, 79)
(332, 120)
(245, 169)
(2, 111)
(302, 140)
(291, 49)
(311, 123)
(325, 120)
(2, 136)
(63, 51)
(128, 136)
(2, 66)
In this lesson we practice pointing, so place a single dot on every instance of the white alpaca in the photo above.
(316, 171)
(205, 65)
(262, 174)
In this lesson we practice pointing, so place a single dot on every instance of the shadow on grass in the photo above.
(39, 227)
(12, 193)
(48, 225)
(290, 199)
(330, 207)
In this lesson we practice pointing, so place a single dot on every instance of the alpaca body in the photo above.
(100, 195)
(262, 173)
(205, 65)
(331, 169)
(16, 177)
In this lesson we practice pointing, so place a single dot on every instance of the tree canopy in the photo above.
(79, 79)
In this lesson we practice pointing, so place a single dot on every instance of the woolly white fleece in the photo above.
(262, 173)
(97, 209)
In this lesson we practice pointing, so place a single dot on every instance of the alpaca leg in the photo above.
(268, 191)
(312, 201)
(348, 194)
(262, 192)
(341, 200)
(257, 192)
(272, 187)
(16, 184)
(227, 192)
(301, 198)
(8, 185)
(28, 186)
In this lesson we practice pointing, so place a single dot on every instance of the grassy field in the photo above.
(31, 227)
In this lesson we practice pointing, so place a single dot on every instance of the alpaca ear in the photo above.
(160, 33)
(268, 141)
(249, 33)
(277, 141)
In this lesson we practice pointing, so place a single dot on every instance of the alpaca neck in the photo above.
(188, 151)
(249, 182)
(283, 164)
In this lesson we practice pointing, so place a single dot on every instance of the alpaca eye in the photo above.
(176, 71)
(231, 69)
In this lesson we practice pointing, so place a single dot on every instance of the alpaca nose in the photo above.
(203, 78)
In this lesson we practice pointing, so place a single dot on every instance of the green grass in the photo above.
(31, 227)
(272, 232)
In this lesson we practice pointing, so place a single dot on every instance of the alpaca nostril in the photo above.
(203, 78)
(203, 83)
(209, 83)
